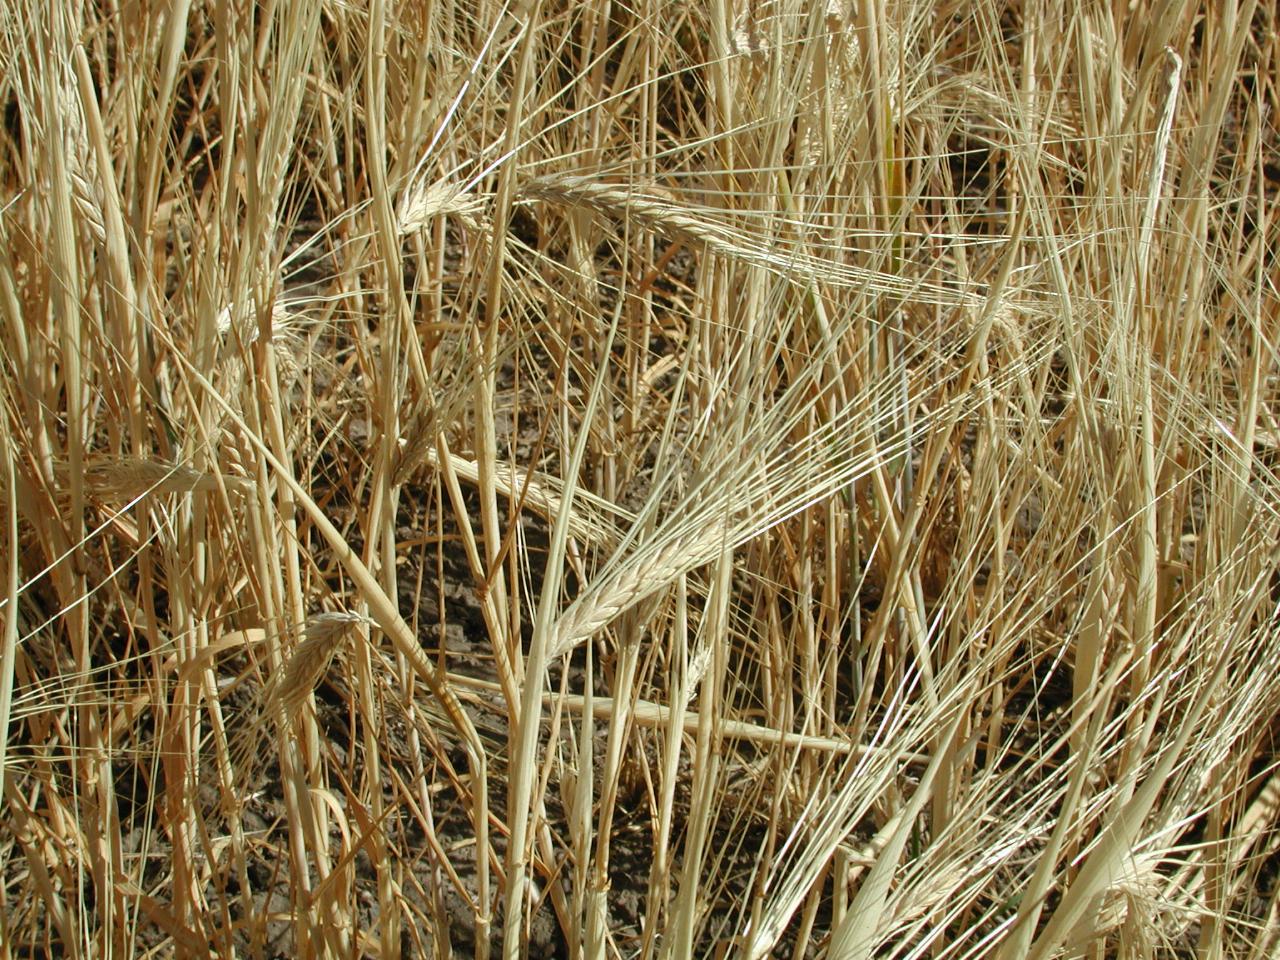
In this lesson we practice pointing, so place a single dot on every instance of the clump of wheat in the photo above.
(932, 357)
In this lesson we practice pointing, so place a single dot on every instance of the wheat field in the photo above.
(639, 480)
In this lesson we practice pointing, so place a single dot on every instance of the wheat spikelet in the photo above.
(127, 478)
(85, 195)
(539, 494)
(1129, 906)
(422, 203)
(768, 251)
(293, 352)
(287, 691)
(601, 604)
(246, 326)
(322, 637)
(647, 209)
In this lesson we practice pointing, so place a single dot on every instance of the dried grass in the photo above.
(803, 477)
